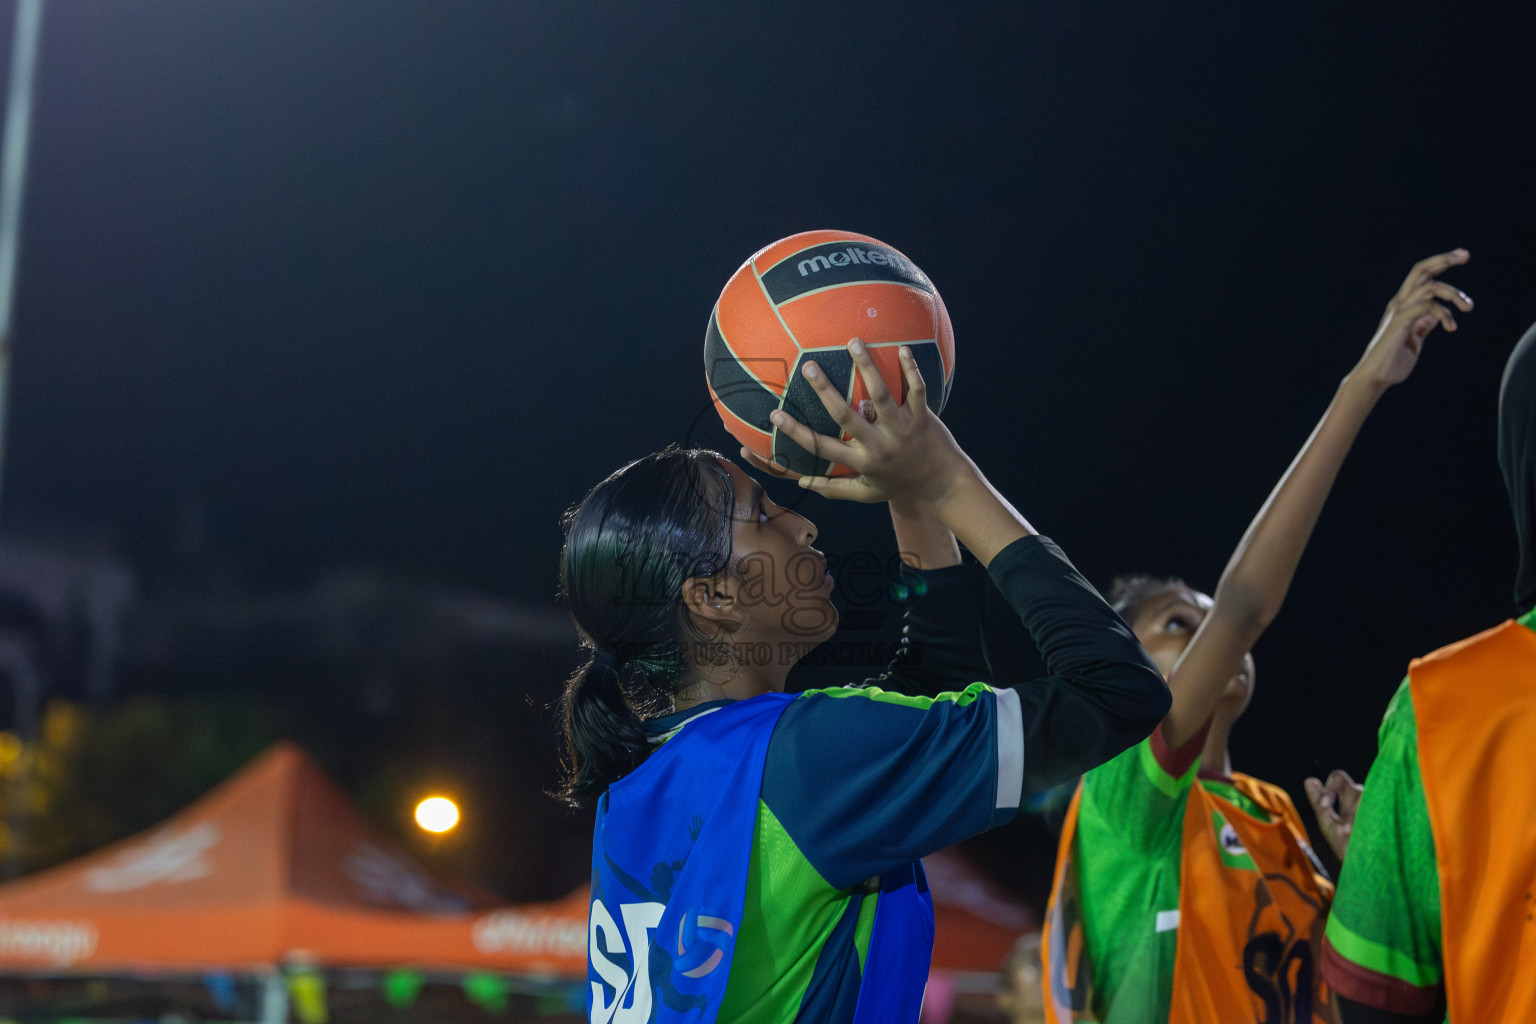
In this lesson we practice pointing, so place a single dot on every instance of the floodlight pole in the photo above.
(13, 177)
(17, 662)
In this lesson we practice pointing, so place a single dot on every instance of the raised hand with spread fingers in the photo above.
(901, 453)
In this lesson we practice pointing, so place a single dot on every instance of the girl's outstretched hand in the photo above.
(1410, 316)
(900, 452)
(1335, 804)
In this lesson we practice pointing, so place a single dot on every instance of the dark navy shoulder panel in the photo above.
(865, 781)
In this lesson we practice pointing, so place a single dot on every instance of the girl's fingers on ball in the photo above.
(874, 383)
(815, 483)
(819, 445)
(839, 488)
(772, 468)
(917, 388)
(819, 484)
(836, 405)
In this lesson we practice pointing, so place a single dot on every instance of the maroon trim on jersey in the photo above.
(1370, 988)
(1177, 762)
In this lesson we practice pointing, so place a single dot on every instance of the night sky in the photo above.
(391, 284)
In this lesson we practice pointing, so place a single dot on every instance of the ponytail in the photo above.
(629, 547)
(604, 738)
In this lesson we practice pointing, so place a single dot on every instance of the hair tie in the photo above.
(602, 657)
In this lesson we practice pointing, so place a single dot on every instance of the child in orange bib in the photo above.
(1186, 892)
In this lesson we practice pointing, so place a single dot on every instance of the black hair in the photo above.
(629, 546)
(1129, 594)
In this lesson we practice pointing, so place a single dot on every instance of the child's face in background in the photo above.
(1166, 624)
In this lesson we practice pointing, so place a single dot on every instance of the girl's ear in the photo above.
(711, 602)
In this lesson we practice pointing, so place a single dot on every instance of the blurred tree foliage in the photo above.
(95, 775)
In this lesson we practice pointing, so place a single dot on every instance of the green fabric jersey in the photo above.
(1129, 846)
(1386, 914)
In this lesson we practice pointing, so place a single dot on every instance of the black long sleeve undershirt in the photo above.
(1102, 695)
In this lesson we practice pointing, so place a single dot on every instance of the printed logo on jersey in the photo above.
(1278, 956)
(625, 994)
(637, 966)
(702, 942)
(1233, 853)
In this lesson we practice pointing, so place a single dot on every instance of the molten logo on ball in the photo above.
(852, 254)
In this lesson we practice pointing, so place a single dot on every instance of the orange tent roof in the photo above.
(275, 864)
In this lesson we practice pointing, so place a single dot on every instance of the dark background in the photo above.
(391, 284)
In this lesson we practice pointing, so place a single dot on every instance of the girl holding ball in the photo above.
(755, 855)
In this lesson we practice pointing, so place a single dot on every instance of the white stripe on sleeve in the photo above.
(1010, 748)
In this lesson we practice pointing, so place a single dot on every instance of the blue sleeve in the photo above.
(1101, 693)
(865, 781)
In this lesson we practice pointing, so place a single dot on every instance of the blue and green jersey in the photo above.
(861, 781)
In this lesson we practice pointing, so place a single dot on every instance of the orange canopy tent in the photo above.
(276, 866)
(273, 866)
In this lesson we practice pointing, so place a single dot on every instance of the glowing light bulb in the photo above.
(437, 814)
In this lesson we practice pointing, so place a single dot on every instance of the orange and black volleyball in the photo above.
(804, 298)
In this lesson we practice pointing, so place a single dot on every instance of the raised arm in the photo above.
(922, 538)
(1256, 579)
(904, 455)
(941, 646)
(1103, 692)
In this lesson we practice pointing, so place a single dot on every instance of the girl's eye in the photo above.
(1176, 623)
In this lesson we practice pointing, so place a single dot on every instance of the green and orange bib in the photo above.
(1252, 905)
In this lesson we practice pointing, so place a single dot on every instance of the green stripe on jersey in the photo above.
(790, 912)
(1382, 959)
(839, 805)
(960, 697)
